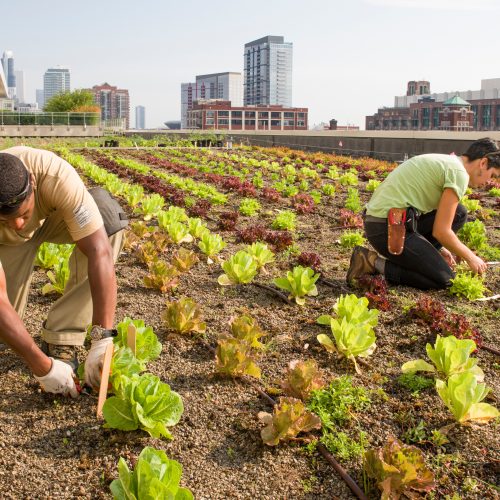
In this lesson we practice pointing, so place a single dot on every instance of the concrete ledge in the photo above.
(386, 145)
(50, 131)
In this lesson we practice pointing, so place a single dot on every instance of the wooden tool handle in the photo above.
(106, 368)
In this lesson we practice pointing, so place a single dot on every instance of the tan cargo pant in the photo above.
(70, 315)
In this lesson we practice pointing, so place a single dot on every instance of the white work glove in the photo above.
(94, 361)
(59, 380)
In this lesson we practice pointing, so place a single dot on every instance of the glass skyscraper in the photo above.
(8, 70)
(268, 72)
(55, 81)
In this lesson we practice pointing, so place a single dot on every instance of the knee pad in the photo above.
(115, 219)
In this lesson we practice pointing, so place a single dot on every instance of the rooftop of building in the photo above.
(268, 39)
(456, 101)
(211, 75)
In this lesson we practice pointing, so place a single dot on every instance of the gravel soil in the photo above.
(53, 448)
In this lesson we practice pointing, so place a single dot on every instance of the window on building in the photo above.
(263, 114)
(249, 114)
(288, 114)
(276, 115)
(302, 116)
(486, 116)
(288, 123)
(210, 121)
(223, 113)
(237, 114)
(210, 114)
(236, 122)
(223, 121)
(275, 123)
(249, 123)
(301, 123)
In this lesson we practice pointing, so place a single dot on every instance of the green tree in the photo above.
(71, 101)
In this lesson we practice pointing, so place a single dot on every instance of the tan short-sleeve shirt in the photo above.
(58, 188)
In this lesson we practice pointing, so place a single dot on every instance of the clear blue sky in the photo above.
(350, 57)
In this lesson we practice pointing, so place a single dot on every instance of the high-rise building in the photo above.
(115, 105)
(227, 86)
(8, 69)
(40, 98)
(140, 117)
(55, 81)
(20, 86)
(3, 84)
(268, 72)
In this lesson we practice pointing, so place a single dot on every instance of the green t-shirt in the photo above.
(419, 182)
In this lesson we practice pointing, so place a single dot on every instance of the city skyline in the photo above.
(349, 59)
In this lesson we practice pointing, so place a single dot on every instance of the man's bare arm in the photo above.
(15, 335)
(102, 278)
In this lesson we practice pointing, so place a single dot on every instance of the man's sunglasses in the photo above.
(19, 198)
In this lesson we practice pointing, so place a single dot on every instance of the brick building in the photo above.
(477, 110)
(114, 103)
(221, 115)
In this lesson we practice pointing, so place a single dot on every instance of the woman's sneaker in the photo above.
(362, 262)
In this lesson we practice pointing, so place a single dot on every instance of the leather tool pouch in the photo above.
(396, 230)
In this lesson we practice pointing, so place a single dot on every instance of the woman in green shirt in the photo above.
(432, 184)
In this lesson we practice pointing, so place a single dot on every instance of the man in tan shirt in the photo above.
(42, 198)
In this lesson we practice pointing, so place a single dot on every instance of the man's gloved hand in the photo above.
(95, 358)
(59, 380)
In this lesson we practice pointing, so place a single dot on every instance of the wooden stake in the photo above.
(106, 368)
(131, 338)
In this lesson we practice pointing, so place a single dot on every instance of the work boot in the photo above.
(66, 353)
(362, 262)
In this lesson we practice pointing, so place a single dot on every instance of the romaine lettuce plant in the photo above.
(236, 358)
(154, 476)
(462, 394)
(350, 239)
(58, 277)
(302, 377)
(134, 194)
(352, 329)
(450, 356)
(261, 254)
(150, 206)
(162, 276)
(398, 469)
(239, 268)
(473, 234)
(246, 328)
(148, 347)
(196, 227)
(184, 259)
(48, 254)
(353, 202)
(299, 283)
(211, 244)
(143, 402)
(184, 316)
(285, 219)
(467, 285)
(371, 185)
(179, 233)
(289, 418)
(249, 207)
(328, 189)
(348, 179)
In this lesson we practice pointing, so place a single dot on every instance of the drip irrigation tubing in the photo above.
(321, 448)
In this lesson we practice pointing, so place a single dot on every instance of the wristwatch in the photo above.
(97, 333)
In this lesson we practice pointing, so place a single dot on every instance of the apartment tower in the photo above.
(268, 72)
